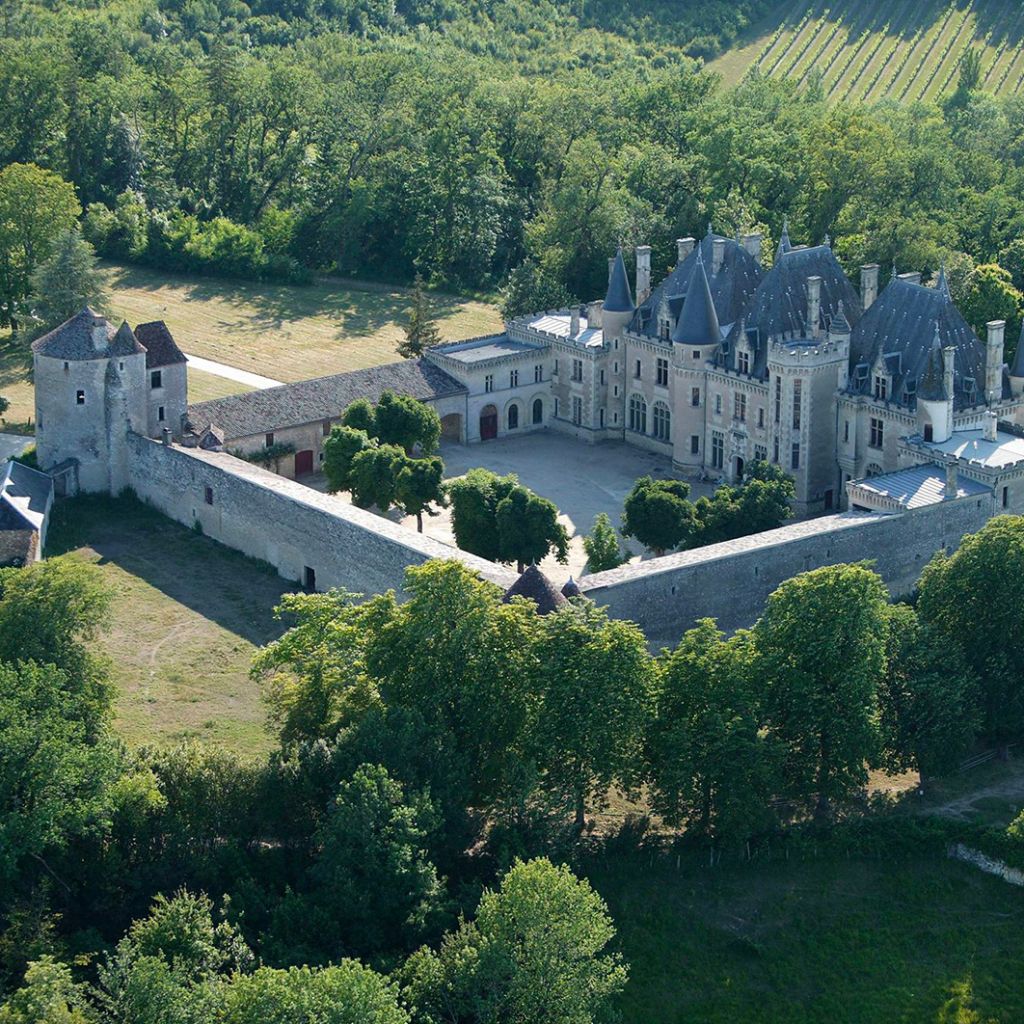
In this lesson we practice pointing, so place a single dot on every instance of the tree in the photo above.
(420, 332)
(67, 280)
(531, 289)
(929, 719)
(658, 513)
(537, 951)
(474, 500)
(407, 422)
(340, 450)
(49, 996)
(374, 476)
(602, 546)
(595, 682)
(372, 887)
(361, 415)
(35, 207)
(761, 502)
(968, 600)
(991, 295)
(821, 646)
(712, 766)
(419, 485)
(344, 993)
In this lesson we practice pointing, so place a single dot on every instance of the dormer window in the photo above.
(743, 361)
(971, 389)
(881, 387)
(860, 373)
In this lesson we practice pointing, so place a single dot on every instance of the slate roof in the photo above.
(538, 588)
(1018, 357)
(571, 588)
(919, 486)
(898, 332)
(161, 348)
(698, 321)
(619, 298)
(25, 493)
(779, 306)
(73, 339)
(289, 405)
(932, 385)
(732, 286)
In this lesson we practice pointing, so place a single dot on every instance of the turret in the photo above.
(698, 320)
(618, 306)
(935, 393)
(1017, 369)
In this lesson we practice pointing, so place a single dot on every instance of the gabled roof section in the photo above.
(908, 318)
(73, 339)
(538, 588)
(698, 321)
(732, 285)
(619, 298)
(25, 497)
(161, 348)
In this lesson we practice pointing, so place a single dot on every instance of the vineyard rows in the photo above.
(901, 49)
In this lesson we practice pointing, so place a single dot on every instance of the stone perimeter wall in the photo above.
(285, 523)
(730, 582)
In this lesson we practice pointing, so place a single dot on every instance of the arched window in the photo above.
(662, 421)
(513, 417)
(637, 414)
(538, 410)
(874, 469)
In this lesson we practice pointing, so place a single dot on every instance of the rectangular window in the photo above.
(760, 453)
(556, 367)
(718, 405)
(743, 362)
(616, 390)
(775, 450)
(208, 495)
(717, 451)
(760, 416)
(600, 416)
(269, 440)
(696, 353)
(695, 397)
(662, 370)
(1006, 497)
(577, 369)
(877, 433)
(156, 379)
(489, 383)
(881, 387)
(160, 414)
(695, 444)
(798, 401)
(577, 410)
(615, 417)
(778, 400)
(602, 376)
(80, 398)
(636, 373)
(846, 431)
(740, 407)
(615, 367)
(556, 408)
(513, 378)
(795, 456)
(538, 374)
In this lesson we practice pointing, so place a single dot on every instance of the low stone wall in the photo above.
(285, 523)
(991, 866)
(730, 582)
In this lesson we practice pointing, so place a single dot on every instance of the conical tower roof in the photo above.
(698, 320)
(942, 285)
(571, 588)
(538, 588)
(619, 298)
(932, 386)
(1017, 370)
(784, 243)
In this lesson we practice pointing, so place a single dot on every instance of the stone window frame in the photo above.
(661, 421)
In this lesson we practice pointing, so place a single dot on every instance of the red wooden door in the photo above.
(303, 462)
(488, 423)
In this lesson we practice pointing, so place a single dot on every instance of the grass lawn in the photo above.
(203, 386)
(846, 942)
(187, 616)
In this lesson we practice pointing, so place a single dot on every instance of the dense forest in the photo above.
(467, 139)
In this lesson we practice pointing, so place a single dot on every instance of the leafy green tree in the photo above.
(991, 295)
(374, 476)
(712, 765)
(761, 502)
(928, 716)
(658, 513)
(602, 546)
(420, 485)
(532, 289)
(595, 686)
(340, 450)
(528, 529)
(344, 993)
(420, 331)
(35, 207)
(49, 996)
(968, 600)
(405, 421)
(821, 646)
(372, 887)
(67, 280)
(537, 951)
(474, 501)
(361, 415)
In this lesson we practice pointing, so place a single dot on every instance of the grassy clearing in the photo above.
(187, 616)
(903, 49)
(858, 942)
(203, 386)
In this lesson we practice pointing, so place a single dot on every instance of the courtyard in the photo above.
(581, 479)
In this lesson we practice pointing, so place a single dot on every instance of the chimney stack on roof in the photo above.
(952, 483)
(643, 273)
(684, 246)
(99, 333)
(813, 305)
(869, 284)
(949, 370)
(994, 361)
(911, 277)
(991, 425)
(717, 255)
(574, 322)
(752, 243)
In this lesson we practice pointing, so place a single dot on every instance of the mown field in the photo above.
(903, 50)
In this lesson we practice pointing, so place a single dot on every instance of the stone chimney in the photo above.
(994, 361)
(948, 367)
(952, 483)
(165, 437)
(643, 273)
(99, 333)
(684, 246)
(752, 243)
(913, 277)
(717, 254)
(813, 306)
(574, 322)
(611, 268)
(868, 284)
(990, 425)
(595, 311)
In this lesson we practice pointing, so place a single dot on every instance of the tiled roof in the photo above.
(289, 405)
(619, 298)
(73, 339)
(161, 348)
(538, 588)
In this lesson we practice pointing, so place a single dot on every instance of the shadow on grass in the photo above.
(355, 308)
(236, 592)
